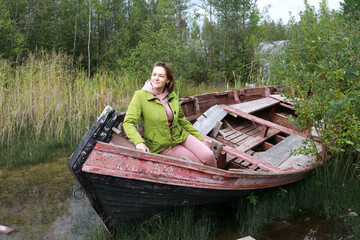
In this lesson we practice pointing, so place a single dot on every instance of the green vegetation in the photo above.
(129, 36)
(47, 104)
(320, 66)
(320, 196)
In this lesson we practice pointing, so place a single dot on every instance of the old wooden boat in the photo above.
(247, 130)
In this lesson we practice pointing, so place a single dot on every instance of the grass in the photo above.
(319, 196)
(46, 103)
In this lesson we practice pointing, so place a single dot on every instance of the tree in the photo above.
(11, 39)
(320, 65)
(351, 9)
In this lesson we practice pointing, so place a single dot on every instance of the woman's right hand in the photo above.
(142, 147)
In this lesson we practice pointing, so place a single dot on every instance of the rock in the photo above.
(353, 214)
(246, 238)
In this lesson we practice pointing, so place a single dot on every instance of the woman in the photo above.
(166, 130)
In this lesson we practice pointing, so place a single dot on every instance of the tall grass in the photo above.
(48, 104)
(46, 100)
(326, 198)
(181, 223)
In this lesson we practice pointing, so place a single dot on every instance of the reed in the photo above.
(181, 223)
(326, 197)
(45, 101)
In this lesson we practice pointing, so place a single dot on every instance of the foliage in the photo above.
(230, 39)
(129, 36)
(320, 66)
(12, 40)
(273, 31)
(320, 196)
(351, 10)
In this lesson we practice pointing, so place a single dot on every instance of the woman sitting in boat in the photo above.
(166, 130)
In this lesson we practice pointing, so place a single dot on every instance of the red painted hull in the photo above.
(120, 162)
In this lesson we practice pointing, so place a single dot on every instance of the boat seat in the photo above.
(256, 105)
(280, 155)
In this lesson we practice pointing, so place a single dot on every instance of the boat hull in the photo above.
(124, 185)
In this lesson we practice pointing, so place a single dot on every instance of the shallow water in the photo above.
(299, 229)
(37, 201)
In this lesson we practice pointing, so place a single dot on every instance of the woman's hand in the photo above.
(142, 147)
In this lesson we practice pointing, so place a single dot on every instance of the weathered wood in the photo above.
(256, 105)
(281, 152)
(253, 142)
(259, 120)
(121, 141)
(216, 129)
(207, 121)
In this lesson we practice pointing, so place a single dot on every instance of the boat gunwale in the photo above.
(99, 146)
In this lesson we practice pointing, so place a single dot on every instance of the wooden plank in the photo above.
(278, 97)
(260, 120)
(244, 125)
(254, 132)
(252, 142)
(233, 136)
(295, 161)
(207, 121)
(240, 138)
(216, 129)
(281, 151)
(283, 99)
(256, 105)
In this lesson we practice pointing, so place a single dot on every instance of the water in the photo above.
(305, 228)
(37, 202)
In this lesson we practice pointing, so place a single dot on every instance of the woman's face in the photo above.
(158, 79)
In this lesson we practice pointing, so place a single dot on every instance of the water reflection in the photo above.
(37, 202)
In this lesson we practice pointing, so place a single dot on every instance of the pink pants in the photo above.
(193, 149)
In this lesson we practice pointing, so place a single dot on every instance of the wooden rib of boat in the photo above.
(247, 130)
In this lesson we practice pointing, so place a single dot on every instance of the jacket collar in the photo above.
(152, 97)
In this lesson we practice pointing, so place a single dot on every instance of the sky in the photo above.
(281, 8)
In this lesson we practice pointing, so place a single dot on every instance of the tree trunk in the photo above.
(89, 38)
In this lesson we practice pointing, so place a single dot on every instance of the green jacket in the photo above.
(157, 134)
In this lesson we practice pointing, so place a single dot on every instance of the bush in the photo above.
(320, 66)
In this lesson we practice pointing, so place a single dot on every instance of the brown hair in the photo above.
(169, 75)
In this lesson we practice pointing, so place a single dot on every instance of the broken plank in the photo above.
(207, 121)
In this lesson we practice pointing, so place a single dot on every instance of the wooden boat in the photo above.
(247, 130)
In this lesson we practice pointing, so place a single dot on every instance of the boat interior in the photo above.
(251, 135)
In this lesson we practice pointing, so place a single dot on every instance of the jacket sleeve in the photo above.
(188, 126)
(132, 117)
